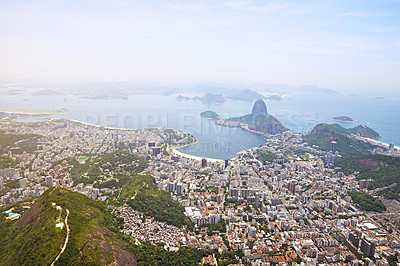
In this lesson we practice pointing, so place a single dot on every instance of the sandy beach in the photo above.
(377, 142)
(193, 157)
(35, 112)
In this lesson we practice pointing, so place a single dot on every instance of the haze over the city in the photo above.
(335, 44)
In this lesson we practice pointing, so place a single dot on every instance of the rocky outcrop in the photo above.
(259, 107)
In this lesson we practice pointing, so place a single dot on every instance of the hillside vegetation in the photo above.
(385, 170)
(121, 164)
(18, 143)
(261, 122)
(209, 114)
(265, 156)
(35, 240)
(142, 194)
(323, 134)
(366, 202)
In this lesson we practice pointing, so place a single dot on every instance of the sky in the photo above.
(334, 44)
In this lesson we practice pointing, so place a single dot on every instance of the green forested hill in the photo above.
(261, 122)
(35, 240)
(323, 134)
(385, 170)
(366, 202)
(209, 114)
(142, 194)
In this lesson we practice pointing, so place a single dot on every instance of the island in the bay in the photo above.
(344, 119)
(258, 121)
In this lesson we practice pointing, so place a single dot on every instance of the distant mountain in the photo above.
(323, 134)
(210, 115)
(259, 120)
(259, 107)
(215, 97)
(182, 98)
(211, 98)
(207, 98)
(245, 95)
(275, 98)
(34, 239)
(364, 131)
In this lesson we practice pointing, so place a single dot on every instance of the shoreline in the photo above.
(194, 157)
(93, 125)
(174, 150)
(34, 112)
(378, 142)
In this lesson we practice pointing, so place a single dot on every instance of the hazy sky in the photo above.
(334, 44)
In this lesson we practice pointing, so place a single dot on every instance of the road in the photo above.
(66, 239)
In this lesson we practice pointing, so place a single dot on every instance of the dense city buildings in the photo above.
(279, 203)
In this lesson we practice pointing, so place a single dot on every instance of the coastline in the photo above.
(174, 149)
(380, 143)
(193, 157)
(93, 125)
(34, 112)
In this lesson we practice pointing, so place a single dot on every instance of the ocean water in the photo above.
(298, 112)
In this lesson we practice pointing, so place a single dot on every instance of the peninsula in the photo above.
(258, 121)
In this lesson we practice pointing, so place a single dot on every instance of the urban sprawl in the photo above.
(294, 208)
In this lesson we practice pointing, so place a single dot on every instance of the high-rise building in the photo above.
(156, 150)
(1, 182)
(23, 182)
(330, 158)
(368, 248)
(333, 147)
(252, 231)
(171, 187)
(179, 188)
(292, 187)
(49, 181)
(354, 239)
(96, 191)
(257, 200)
(226, 163)
(203, 162)
(391, 146)
(366, 183)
